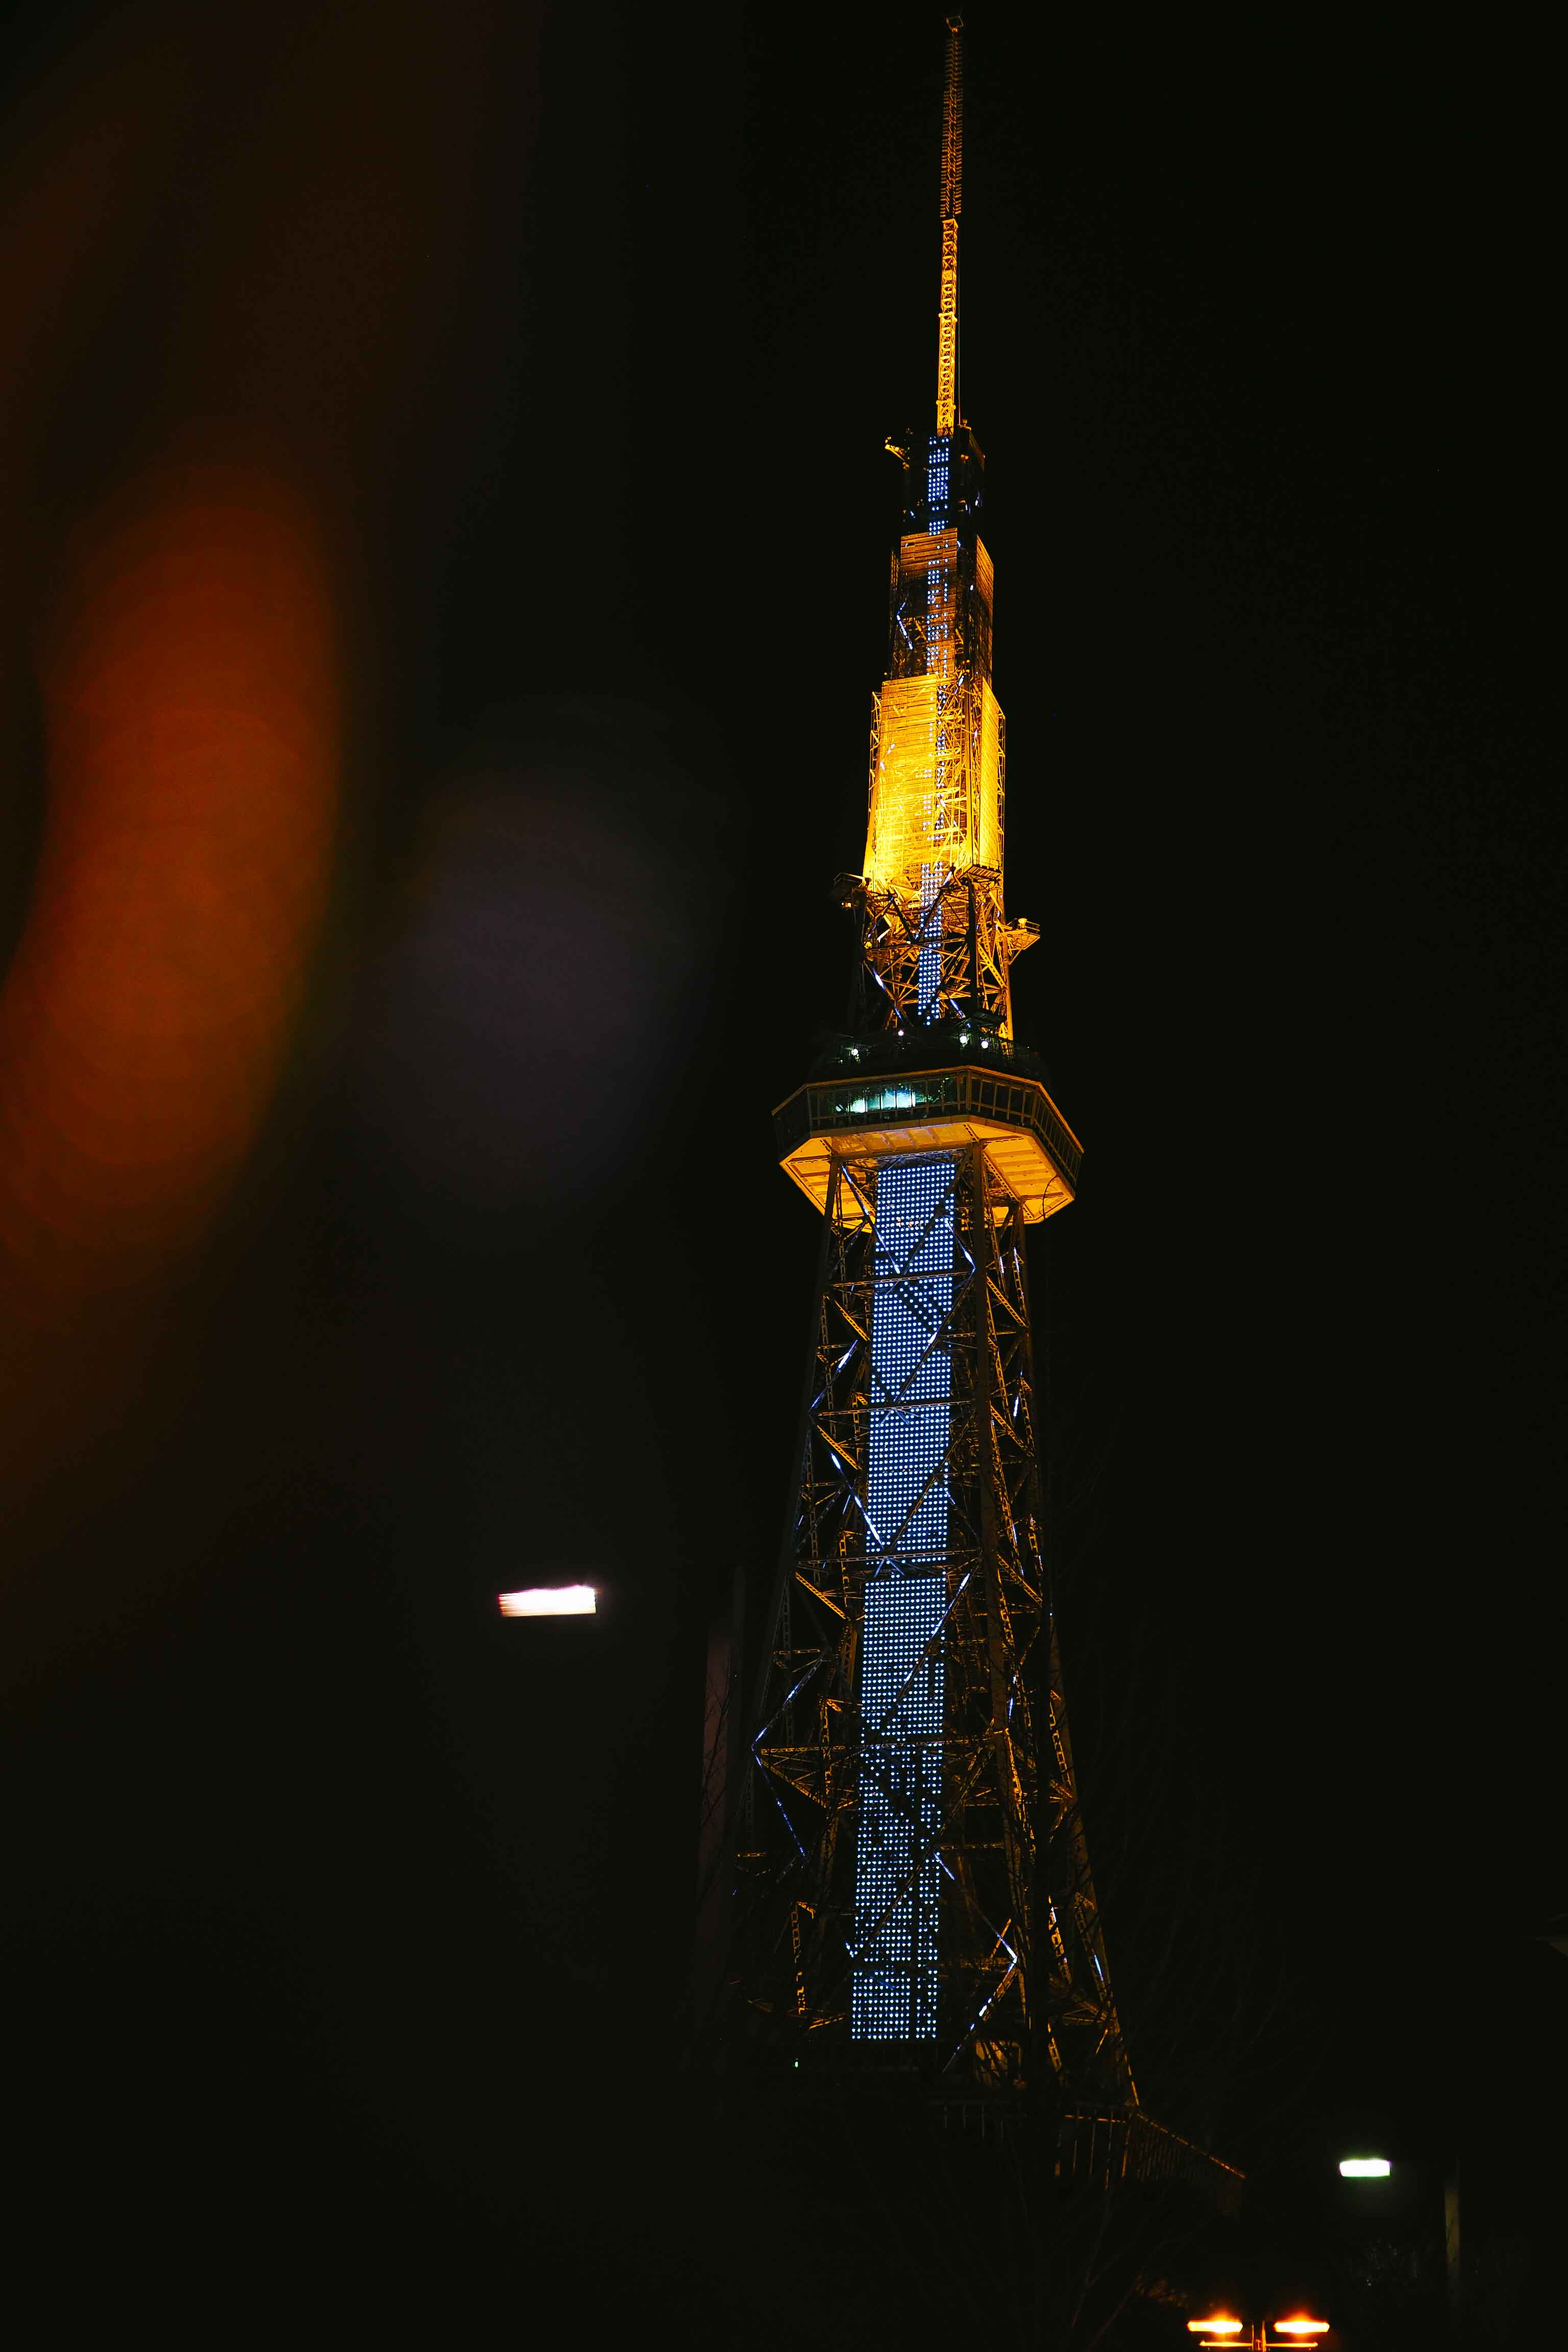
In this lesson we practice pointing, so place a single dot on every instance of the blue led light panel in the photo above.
(938, 450)
(893, 1985)
(894, 1977)
(928, 981)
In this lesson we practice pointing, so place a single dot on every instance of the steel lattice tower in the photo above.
(913, 1889)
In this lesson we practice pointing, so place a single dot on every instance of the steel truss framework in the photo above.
(1022, 1987)
(976, 944)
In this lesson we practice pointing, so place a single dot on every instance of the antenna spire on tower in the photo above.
(951, 205)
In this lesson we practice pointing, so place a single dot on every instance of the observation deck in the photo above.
(941, 1092)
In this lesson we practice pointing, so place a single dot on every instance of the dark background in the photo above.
(348, 1924)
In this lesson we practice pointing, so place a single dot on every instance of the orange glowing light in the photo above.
(932, 802)
(1303, 2326)
(550, 1600)
(190, 698)
(1220, 2326)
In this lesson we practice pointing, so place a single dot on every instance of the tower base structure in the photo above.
(912, 1881)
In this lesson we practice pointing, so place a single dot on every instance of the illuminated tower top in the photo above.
(934, 993)
(936, 784)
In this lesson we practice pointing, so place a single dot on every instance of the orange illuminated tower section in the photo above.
(912, 1886)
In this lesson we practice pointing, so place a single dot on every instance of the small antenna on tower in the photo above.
(951, 205)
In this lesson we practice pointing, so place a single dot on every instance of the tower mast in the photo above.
(951, 205)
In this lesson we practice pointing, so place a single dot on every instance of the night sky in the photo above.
(348, 1924)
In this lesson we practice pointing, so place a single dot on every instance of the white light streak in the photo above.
(1366, 2168)
(550, 1600)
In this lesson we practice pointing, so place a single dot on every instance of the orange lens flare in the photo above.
(1220, 2326)
(191, 704)
(1303, 2326)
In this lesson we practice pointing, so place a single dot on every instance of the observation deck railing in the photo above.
(881, 1100)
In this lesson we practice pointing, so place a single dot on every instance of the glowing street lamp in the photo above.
(1378, 2167)
(550, 1600)
(1223, 2333)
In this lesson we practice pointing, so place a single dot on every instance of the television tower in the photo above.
(913, 1888)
